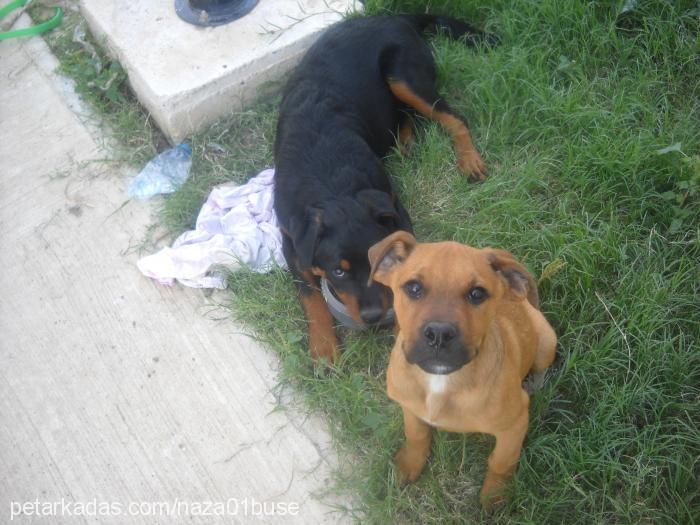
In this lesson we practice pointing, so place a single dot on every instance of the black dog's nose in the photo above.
(371, 315)
(438, 334)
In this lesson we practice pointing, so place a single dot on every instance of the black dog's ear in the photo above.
(305, 234)
(380, 205)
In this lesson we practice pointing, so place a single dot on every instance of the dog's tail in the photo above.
(453, 28)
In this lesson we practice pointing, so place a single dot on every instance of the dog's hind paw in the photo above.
(534, 382)
(473, 165)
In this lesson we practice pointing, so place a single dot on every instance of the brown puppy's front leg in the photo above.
(503, 460)
(414, 453)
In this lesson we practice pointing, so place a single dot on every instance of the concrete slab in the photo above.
(188, 76)
(120, 402)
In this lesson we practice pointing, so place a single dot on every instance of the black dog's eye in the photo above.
(413, 289)
(477, 295)
(339, 273)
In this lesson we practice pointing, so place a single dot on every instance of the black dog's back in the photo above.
(340, 78)
(338, 118)
(339, 90)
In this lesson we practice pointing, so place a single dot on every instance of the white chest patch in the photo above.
(434, 399)
(436, 384)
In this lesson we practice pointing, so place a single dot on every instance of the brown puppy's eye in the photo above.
(339, 273)
(413, 289)
(477, 295)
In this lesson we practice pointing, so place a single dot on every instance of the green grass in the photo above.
(592, 136)
(103, 84)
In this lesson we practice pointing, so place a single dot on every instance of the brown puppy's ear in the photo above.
(389, 253)
(305, 234)
(516, 275)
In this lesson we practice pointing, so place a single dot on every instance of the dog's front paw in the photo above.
(489, 502)
(492, 491)
(323, 349)
(324, 356)
(410, 464)
(471, 163)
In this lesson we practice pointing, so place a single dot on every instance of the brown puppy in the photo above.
(469, 331)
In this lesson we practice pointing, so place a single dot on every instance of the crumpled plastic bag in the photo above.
(165, 173)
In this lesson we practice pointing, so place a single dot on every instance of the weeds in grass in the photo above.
(103, 84)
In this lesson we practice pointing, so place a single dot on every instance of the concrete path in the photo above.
(120, 402)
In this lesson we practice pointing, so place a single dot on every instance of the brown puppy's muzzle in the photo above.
(439, 348)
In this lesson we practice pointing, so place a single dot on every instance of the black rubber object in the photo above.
(207, 13)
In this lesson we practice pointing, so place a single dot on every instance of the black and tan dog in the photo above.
(338, 118)
(469, 332)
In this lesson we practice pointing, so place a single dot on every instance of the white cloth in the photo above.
(237, 225)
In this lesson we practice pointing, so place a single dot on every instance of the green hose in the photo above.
(28, 31)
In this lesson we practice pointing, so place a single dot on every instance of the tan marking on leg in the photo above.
(407, 96)
(469, 160)
(406, 135)
(323, 343)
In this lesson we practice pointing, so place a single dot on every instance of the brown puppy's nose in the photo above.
(371, 315)
(438, 334)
